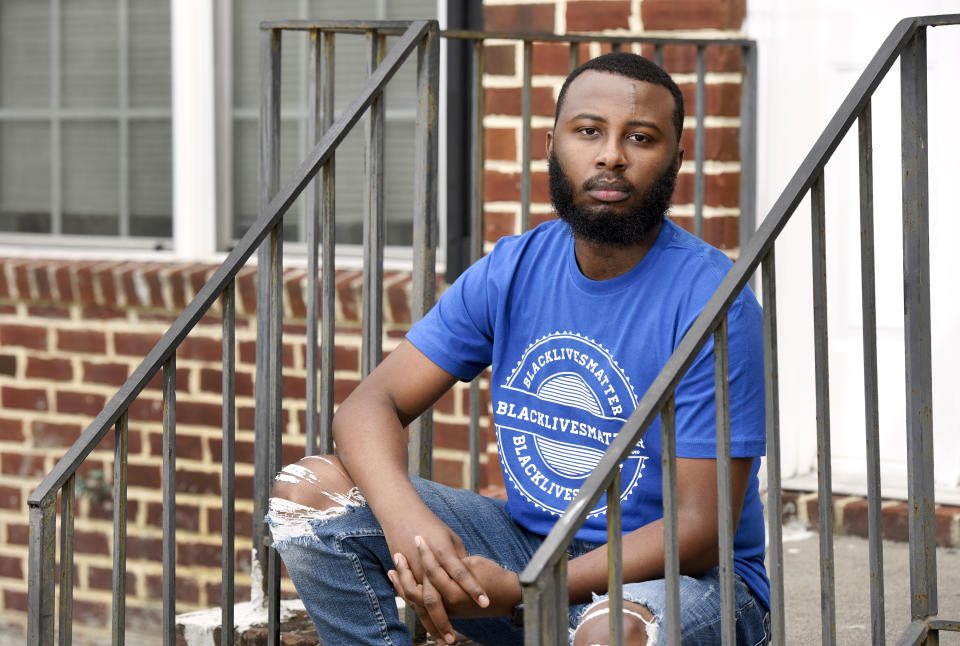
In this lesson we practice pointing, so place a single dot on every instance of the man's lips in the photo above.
(608, 194)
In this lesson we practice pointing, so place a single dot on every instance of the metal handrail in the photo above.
(42, 501)
(542, 579)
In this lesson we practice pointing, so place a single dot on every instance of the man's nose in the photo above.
(611, 154)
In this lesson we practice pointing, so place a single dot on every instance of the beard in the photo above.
(605, 225)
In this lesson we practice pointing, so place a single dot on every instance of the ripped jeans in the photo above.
(338, 560)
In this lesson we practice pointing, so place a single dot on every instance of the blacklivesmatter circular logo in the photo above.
(559, 410)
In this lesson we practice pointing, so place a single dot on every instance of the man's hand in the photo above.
(436, 597)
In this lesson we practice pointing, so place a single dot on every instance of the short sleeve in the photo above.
(457, 333)
(695, 394)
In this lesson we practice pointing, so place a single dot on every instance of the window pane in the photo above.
(149, 54)
(90, 178)
(151, 189)
(90, 56)
(24, 53)
(246, 52)
(25, 177)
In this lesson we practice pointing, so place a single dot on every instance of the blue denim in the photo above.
(339, 565)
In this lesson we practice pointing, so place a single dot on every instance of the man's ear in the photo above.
(549, 142)
(679, 161)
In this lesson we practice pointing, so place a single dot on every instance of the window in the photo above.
(350, 74)
(85, 125)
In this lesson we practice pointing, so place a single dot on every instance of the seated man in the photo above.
(576, 317)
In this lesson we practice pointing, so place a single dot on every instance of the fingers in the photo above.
(433, 604)
(447, 574)
(407, 587)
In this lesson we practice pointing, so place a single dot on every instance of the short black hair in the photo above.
(631, 66)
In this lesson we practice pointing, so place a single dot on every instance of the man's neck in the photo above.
(603, 262)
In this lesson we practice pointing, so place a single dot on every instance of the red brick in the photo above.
(134, 343)
(124, 275)
(103, 274)
(722, 100)
(178, 295)
(348, 294)
(8, 308)
(246, 288)
(143, 475)
(152, 278)
(18, 534)
(15, 600)
(692, 14)
(200, 414)
(538, 143)
(22, 281)
(197, 482)
(199, 554)
(4, 288)
(69, 401)
(101, 578)
(104, 511)
(722, 232)
(451, 436)
(156, 383)
(720, 144)
(342, 389)
(211, 380)
(448, 472)
(242, 522)
(17, 464)
(721, 189)
(82, 341)
(85, 284)
(153, 317)
(24, 398)
(42, 281)
(8, 365)
(92, 612)
(399, 301)
(64, 284)
(186, 517)
(500, 144)
(48, 434)
(11, 430)
(23, 336)
(146, 410)
(526, 18)
(509, 101)
(242, 450)
(187, 589)
(52, 369)
(148, 549)
(243, 486)
(497, 225)
(247, 353)
(447, 402)
(48, 311)
(113, 374)
(202, 348)
(943, 519)
(189, 447)
(551, 58)
(102, 312)
(91, 542)
(500, 59)
(598, 15)
(11, 567)
(294, 283)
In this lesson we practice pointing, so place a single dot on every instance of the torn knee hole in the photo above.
(323, 487)
(633, 613)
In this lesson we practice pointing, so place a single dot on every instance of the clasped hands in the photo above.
(466, 586)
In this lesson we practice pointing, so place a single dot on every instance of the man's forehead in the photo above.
(596, 89)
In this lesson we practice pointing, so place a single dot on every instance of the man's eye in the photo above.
(589, 131)
(639, 137)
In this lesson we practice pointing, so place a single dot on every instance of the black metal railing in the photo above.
(544, 580)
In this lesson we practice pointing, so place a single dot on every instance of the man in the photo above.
(576, 327)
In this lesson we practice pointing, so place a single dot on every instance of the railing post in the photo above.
(916, 297)
(40, 606)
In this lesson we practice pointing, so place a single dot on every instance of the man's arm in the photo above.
(643, 548)
(372, 445)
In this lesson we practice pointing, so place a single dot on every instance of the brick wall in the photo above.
(503, 81)
(72, 331)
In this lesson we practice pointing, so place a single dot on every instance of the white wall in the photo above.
(810, 55)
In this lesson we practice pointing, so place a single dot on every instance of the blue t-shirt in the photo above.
(571, 358)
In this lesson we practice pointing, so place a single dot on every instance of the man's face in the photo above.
(613, 157)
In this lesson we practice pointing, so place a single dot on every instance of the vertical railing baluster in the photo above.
(871, 396)
(372, 319)
(699, 139)
(615, 46)
(545, 607)
(821, 358)
(264, 429)
(67, 513)
(329, 235)
(119, 531)
(169, 548)
(725, 520)
(671, 548)
(42, 565)
(425, 225)
(615, 560)
(574, 55)
(526, 103)
(658, 54)
(916, 301)
(227, 514)
(476, 239)
(748, 144)
(314, 199)
(561, 605)
(771, 378)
